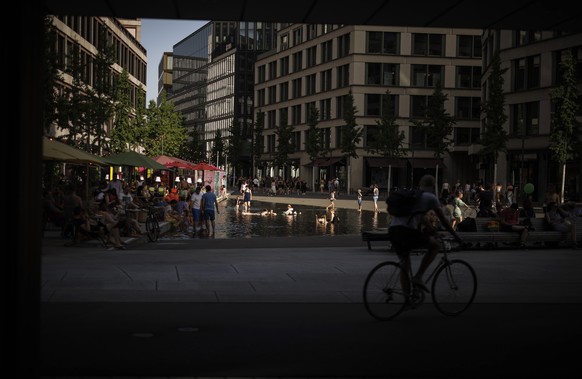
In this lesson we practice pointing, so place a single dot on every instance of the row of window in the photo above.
(461, 136)
(466, 108)
(423, 44)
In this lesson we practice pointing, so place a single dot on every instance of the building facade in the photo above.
(213, 78)
(319, 65)
(531, 60)
(79, 36)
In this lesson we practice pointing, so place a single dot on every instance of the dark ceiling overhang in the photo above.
(495, 14)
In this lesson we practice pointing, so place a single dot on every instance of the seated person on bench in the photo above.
(509, 222)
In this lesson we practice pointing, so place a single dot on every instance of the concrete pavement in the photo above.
(291, 307)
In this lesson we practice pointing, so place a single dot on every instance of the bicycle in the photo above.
(152, 224)
(453, 287)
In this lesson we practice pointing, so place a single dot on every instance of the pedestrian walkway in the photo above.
(292, 307)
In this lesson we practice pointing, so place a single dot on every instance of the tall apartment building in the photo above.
(213, 77)
(318, 65)
(82, 32)
(532, 60)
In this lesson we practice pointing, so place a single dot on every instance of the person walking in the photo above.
(375, 195)
(359, 200)
(208, 204)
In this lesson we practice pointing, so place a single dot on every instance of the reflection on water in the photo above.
(232, 223)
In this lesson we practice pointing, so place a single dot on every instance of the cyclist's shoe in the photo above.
(419, 284)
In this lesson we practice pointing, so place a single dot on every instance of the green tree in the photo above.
(139, 122)
(314, 141)
(351, 133)
(166, 131)
(235, 146)
(565, 131)
(438, 126)
(258, 142)
(124, 132)
(494, 137)
(217, 148)
(284, 133)
(388, 139)
(194, 149)
(100, 96)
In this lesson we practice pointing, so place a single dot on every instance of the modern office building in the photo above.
(165, 76)
(319, 65)
(213, 77)
(81, 33)
(532, 63)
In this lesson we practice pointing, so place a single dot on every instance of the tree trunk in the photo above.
(436, 180)
(389, 178)
(563, 182)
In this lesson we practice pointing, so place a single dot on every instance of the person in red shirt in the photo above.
(509, 222)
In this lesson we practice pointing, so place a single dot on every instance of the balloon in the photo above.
(529, 188)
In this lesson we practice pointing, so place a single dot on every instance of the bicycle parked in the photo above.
(453, 285)
(152, 224)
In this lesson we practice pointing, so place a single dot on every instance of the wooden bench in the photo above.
(485, 237)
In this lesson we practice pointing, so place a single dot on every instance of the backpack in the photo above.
(401, 202)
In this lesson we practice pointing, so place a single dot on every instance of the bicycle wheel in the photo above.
(383, 295)
(454, 287)
(152, 228)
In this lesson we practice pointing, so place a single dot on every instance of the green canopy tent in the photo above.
(53, 150)
(131, 158)
(134, 159)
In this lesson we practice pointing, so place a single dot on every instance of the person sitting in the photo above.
(266, 212)
(84, 226)
(559, 220)
(509, 222)
(333, 218)
(107, 218)
(51, 212)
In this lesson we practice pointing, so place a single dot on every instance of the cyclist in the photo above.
(406, 234)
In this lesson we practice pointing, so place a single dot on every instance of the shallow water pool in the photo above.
(232, 223)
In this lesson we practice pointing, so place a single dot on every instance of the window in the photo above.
(297, 61)
(296, 88)
(310, 84)
(326, 80)
(469, 46)
(343, 76)
(525, 119)
(343, 45)
(428, 44)
(271, 119)
(272, 70)
(418, 105)
(272, 93)
(283, 116)
(383, 43)
(526, 73)
(296, 141)
(296, 114)
(325, 109)
(371, 134)
(468, 76)
(261, 74)
(468, 108)
(297, 36)
(326, 51)
(466, 136)
(418, 137)
(372, 104)
(326, 136)
(339, 106)
(284, 91)
(427, 75)
(311, 31)
(261, 97)
(311, 56)
(284, 42)
(524, 37)
(284, 66)
(385, 74)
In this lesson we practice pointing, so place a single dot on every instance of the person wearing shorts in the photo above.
(208, 204)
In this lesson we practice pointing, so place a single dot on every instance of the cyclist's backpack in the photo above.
(401, 202)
